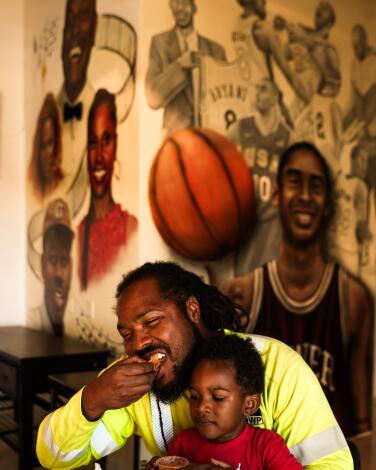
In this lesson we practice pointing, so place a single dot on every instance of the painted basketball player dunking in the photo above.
(308, 301)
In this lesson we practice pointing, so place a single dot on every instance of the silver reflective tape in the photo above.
(56, 452)
(161, 417)
(102, 442)
(319, 446)
(48, 439)
(71, 455)
(259, 341)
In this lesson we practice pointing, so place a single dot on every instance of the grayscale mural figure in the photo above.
(360, 120)
(262, 137)
(172, 77)
(315, 60)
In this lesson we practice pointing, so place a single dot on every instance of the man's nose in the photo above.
(140, 340)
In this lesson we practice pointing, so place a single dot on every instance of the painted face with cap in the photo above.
(56, 259)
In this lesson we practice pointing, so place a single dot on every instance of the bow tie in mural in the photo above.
(71, 112)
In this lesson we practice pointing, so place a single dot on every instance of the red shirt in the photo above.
(253, 449)
(105, 239)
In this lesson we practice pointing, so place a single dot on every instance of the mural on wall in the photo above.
(45, 171)
(56, 265)
(83, 166)
(283, 75)
(197, 181)
(106, 227)
(172, 77)
(260, 77)
(308, 301)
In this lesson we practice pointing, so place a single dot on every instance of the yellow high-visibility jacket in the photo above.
(292, 404)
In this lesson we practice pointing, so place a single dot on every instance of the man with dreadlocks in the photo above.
(161, 308)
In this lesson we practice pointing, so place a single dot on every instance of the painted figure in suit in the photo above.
(173, 67)
(76, 93)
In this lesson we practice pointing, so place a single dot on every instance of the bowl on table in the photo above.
(171, 462)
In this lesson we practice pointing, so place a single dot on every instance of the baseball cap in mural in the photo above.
(57, 213)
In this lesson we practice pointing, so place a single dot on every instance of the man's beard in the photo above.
(172, 391)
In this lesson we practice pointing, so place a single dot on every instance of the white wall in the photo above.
(12, 164)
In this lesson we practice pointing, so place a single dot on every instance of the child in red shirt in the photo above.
(225, 389)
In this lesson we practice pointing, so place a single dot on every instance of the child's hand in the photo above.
(150, 465)
(220, 464)
(214, 465)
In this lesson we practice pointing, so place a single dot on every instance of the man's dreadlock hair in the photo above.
(177, 284)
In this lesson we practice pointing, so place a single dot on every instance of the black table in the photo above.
(27, 357)
(67, 384)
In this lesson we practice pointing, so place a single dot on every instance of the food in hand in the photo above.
(157, 359)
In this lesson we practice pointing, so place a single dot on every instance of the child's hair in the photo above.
(241, 353)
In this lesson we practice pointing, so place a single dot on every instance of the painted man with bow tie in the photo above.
(76, 94)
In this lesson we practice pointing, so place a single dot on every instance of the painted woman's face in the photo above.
(101, 151)
(49, 159)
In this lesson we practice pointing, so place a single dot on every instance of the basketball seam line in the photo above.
(164, 223)
(228, 173)
(193, 198)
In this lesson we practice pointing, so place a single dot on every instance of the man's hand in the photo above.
(189, 60)
(120, 385)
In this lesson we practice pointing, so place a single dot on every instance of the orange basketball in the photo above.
(201, 194)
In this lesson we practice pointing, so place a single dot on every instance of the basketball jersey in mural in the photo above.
(225, 95)
(342, 239)
(313, 327)
(227, 89)
(319, 122)
(363, 78)
(252, 63)
(262, 154)
(367, 256)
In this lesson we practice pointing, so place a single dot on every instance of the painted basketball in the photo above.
(201, 194)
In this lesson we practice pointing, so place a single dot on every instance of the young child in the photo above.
(225, 389)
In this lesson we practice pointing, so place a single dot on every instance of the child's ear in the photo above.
(252, 404)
